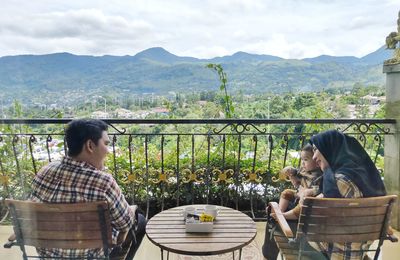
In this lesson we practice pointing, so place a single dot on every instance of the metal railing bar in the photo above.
(203, 121)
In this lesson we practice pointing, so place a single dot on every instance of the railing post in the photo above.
(392, 142)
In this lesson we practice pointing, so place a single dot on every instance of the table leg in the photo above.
(233, 254)
(162, 254)
(167, 255)
(240, 254)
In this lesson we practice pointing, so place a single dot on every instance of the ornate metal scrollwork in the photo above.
(134, 177)
(215, 131)
(123, 131)
(240, 128)
(32, 139)
(190, 176)
(365, 128)
(162, 177)
(377, 138)
(223, 176)
(48, 140)
(252, 177)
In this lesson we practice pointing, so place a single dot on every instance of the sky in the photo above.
(198, 28)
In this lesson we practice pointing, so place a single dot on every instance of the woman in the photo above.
(348, 172)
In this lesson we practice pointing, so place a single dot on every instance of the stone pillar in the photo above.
(392, 142)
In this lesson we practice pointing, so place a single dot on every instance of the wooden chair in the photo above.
(66, 226)
(335, 221)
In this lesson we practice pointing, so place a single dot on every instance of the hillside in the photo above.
(155, 70)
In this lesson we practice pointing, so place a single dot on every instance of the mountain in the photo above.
(327, 58)
(244, 57)
(155, 70)
(159, 54)
(378, 56)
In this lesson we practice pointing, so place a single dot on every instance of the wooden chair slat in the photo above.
(353, 203)
(342, 238)
(61, 235)
(348, 212)
(339, 221)
(58, 216)
(60, 226)
(326, 229)
(64, 244)
(59, 207)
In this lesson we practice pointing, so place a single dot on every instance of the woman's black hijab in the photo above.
(345, 155)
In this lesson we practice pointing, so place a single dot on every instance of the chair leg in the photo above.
(377, 252)
(378, 249)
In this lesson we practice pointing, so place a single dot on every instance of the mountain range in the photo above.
(158, 71)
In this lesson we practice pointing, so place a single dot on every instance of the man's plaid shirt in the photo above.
(71, 181)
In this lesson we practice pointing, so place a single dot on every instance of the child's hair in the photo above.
(308, 148)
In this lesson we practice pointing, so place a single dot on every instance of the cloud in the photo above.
(79, 23)
(75, 31)
(203, 29)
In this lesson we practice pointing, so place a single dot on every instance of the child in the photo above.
(306, 183)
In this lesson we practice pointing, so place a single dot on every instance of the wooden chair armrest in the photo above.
(281, 220)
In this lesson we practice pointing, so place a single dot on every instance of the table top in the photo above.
(232, 230)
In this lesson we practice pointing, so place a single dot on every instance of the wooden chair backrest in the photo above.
(345, 220)
(54, 225)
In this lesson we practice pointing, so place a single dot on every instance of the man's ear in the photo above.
(89, 146)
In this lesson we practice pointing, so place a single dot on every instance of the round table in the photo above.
(232, 230)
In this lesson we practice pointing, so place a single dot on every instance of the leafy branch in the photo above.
(229, 110)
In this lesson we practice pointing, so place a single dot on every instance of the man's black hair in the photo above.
(80, 130)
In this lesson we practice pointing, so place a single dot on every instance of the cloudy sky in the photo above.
(197, 28)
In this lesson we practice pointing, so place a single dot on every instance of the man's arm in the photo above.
(122, 215)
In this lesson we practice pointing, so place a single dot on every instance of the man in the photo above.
(79, 177)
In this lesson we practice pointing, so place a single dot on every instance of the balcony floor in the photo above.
(149, 251)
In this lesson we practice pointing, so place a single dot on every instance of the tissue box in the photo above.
(199, 226)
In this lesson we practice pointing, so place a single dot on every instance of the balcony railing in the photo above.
(163, 163)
